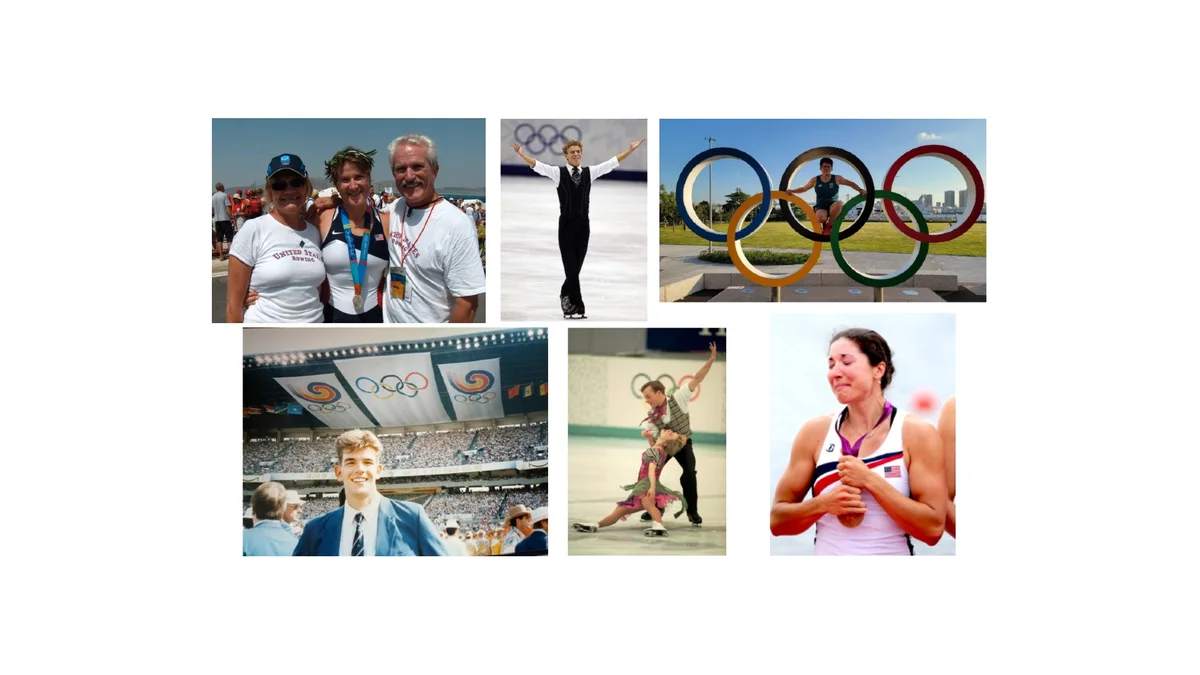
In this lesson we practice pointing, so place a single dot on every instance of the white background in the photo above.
(1077, 370)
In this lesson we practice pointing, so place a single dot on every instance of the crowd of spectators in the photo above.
(484, 506)
(419, 451)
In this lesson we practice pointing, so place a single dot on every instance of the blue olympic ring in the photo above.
(475, 398)
(398, 388)
(539, 135)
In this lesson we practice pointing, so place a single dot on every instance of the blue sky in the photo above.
(774, 143)
(243, 147)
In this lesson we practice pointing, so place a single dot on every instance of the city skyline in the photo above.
(774, 143)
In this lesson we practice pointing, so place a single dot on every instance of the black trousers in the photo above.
(573, 234)
(687, 480)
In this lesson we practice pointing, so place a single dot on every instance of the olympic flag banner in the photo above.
(398, 389)
(474, 388)
(322, 396)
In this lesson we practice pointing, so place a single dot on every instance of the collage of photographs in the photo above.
(427, 439)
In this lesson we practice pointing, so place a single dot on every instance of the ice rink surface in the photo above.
(613, 279)
(598, 467)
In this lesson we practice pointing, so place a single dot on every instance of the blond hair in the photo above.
(570, 144)
(674, 445)
(357, 439)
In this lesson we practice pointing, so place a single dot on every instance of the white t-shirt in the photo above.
(440, 261)
(287, 270)
(220, 200)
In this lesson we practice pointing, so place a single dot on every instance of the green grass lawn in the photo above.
(880, 237)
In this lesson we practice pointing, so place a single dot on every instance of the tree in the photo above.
(702, 212)
(668, 212)
(734, 200)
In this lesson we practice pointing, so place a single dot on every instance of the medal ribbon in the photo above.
(358, 268)
(848, 449)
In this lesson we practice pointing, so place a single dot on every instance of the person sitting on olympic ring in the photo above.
(828, 206)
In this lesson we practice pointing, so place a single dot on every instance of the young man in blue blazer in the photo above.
(368, 524)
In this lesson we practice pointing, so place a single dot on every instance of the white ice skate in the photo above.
(586, 527)
(656, 529)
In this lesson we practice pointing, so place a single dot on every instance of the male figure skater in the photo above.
(671, 412)
(574, 185)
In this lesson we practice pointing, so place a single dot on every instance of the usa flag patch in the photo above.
(379, 237)
(891, 472)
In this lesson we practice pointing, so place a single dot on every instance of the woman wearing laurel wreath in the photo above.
(876, 474)
(353, 242)
(647, 493)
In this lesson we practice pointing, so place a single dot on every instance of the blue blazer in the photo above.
(404, 529)
(536, 541)
(268, 538)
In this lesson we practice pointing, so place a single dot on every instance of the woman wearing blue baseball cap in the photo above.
(278, 255)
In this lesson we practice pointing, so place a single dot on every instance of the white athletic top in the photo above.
(337, 266)
(878, 534)
(287, 270)
(441, 262)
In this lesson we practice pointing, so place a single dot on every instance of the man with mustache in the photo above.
(436, 274)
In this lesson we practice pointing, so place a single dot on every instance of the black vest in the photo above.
(572, 198)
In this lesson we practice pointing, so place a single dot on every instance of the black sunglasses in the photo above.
(281, 185)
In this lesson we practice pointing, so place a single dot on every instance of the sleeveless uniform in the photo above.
(878, 534)
(826, 193)
(340, 308)
(574, 230)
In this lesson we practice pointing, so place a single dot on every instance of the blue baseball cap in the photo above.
(291, 163)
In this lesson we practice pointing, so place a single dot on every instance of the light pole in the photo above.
(710, 140)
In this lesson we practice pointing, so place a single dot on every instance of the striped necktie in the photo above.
(575, 175)
(357, 547)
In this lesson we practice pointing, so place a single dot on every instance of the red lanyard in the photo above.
(407, 211)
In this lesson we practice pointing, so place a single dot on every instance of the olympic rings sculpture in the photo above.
(636, 388)
(734, 236)
(539, 135)
(327, 408)
(399, 386)
(476, 398)
(475, 382)
(318, 392)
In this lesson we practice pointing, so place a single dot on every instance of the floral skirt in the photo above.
(663, 495)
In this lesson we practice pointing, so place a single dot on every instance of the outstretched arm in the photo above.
(806, 187)
(703, 372)
(528, 160)
(848, 183)
(633, 145)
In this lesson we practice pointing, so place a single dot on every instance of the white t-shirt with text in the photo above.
(439, 250)
(287, 270)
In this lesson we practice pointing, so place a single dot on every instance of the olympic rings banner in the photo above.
(543, 141)
(322, 396)
(399, 389)
(839, 232)
(474, 389)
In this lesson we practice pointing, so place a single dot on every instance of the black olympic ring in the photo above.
(845, 156)
(327, 408)
(539, 135)
(476, 398)
(398, 388)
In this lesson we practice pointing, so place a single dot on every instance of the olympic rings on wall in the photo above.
(474, 382)
(476, 398)
(318, 392)
(635, 386)
(397, 386)
(555, 138)
(734, 236)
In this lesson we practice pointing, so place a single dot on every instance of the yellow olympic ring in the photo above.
(735, 246)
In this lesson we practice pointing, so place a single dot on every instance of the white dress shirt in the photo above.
(552, 172)
(370, 526)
